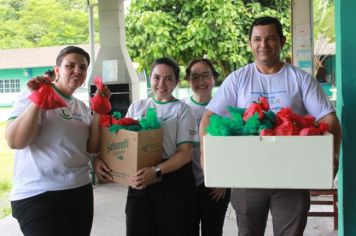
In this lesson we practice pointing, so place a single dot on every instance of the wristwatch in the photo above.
(158, 173)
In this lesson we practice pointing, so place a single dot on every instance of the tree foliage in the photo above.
(177, 28)
(32, 23)
(185, 30)
(324, 29)
(324, 19)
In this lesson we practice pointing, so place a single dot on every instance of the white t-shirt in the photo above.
(198, 110)
(289, 87)
(175, 118)
(58, 158)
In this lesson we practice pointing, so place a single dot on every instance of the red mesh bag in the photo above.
(105, 120)
(323, 127)
(251, 110)
(100, 102)
(264, 103)
(309, 131)
(125, 121)
(260, 106)
(287, 128)
(267, 132)
(286, 114)
(45, 97)
(308, 121)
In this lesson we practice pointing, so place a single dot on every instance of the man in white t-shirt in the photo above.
(284, 86)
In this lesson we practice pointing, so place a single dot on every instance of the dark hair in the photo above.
(203, 60)
(71, 49)
(169, 62)
(50, 73)
(267, 20)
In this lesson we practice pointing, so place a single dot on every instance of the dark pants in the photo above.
(289, 209)
(56, 213)
(164, 208)
(209, 213)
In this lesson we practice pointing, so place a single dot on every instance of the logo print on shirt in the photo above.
(65, 114)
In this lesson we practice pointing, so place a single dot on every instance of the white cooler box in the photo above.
(289, 162)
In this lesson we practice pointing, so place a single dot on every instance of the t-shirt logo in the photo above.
(65, 114)
(192, 132)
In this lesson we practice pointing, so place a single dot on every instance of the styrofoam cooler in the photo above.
(295, 162)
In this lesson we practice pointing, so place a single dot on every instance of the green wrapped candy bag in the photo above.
(219, 126)
(251, 125)
(150, 121)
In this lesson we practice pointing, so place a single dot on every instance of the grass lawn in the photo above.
(6, 171)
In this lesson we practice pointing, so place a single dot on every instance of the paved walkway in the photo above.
(109, 217)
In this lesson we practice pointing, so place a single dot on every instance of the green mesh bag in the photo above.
(251, 125)
(150, 121)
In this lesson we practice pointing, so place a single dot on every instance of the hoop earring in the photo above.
(56, 80)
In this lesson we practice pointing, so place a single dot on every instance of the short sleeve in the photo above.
(186, 126)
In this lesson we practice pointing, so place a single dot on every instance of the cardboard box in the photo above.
(125, 152)
(295, 162)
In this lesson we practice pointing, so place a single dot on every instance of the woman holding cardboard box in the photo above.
(159, 200)
(210, 204)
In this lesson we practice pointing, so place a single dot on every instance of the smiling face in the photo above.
(201, 80)
(71, 73)
(163, 82)
(266, 45)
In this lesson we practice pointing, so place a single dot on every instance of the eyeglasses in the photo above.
(204, 76)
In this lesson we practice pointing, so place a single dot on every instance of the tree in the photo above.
(32, 23)
(187, 29)
(324, 29)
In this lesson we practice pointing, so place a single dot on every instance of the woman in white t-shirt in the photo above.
(52, 192)
(159, 200)
(210, 204)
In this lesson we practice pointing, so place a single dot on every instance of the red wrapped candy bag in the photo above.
(125, 121)
(105, 120)
(267, 132)
(287, 128)
(264, 103)
(259, 107)
(309, 131)
(45, 97)
(100, 102)
(323, 127)
(251, 110)
(308, 121)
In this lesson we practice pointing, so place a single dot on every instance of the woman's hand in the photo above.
(144, 177)
(102, 171)
(100, 102)
(35, 82)
(217, 193)
(105, 92)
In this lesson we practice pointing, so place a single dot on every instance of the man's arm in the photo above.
(335, 129)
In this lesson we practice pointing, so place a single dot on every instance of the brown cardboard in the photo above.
(125, 152)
